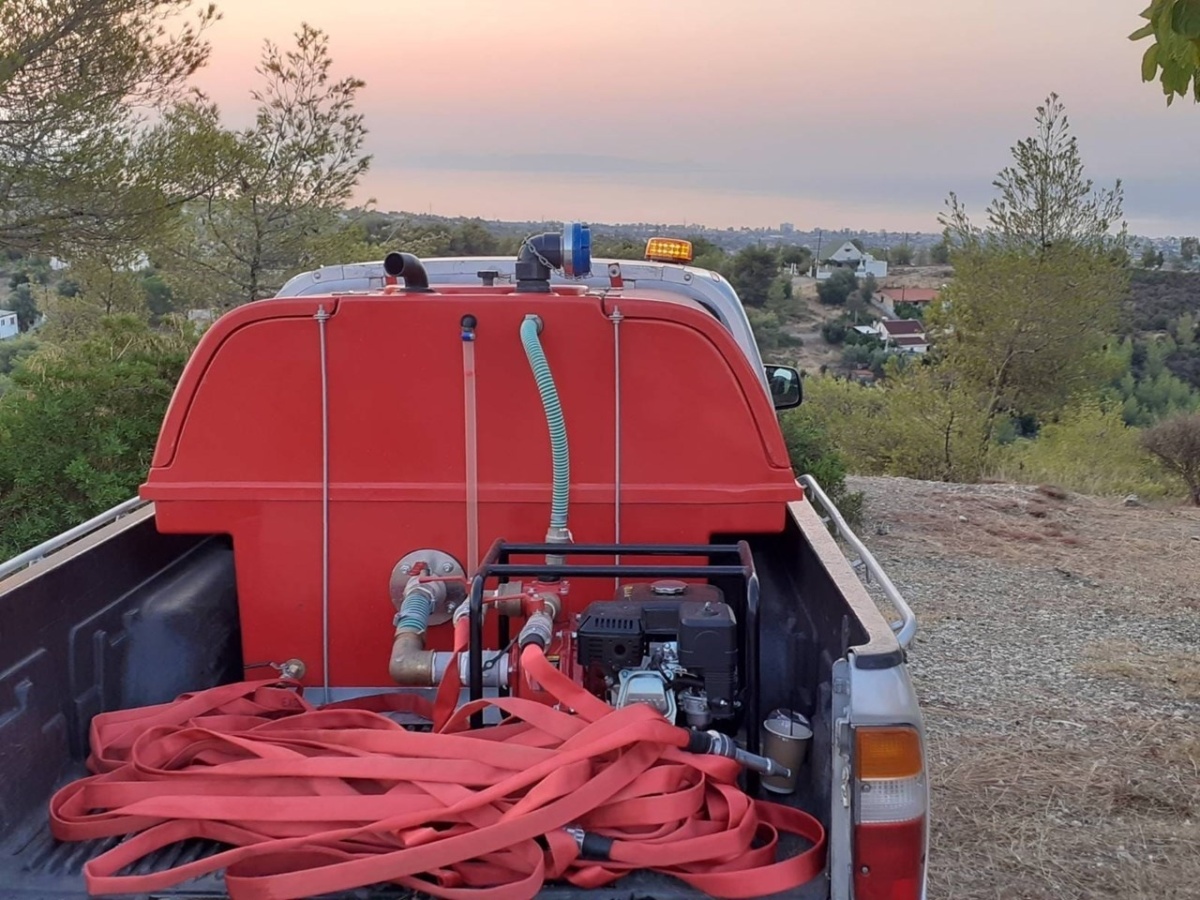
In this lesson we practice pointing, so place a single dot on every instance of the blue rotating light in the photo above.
(576, 250)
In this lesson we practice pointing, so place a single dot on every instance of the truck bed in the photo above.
(34, 866)
(128, 617)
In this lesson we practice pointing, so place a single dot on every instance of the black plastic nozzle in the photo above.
(408, 267)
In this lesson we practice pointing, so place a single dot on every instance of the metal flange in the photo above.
(439, 564)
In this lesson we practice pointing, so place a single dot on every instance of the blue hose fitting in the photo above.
(416, 607)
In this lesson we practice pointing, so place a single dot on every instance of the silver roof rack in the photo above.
(704, 286)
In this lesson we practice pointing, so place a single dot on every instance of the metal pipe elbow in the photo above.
(411, 664)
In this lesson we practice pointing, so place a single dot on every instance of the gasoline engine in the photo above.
(670, 644)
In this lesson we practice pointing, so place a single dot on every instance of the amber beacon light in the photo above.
(671, 250)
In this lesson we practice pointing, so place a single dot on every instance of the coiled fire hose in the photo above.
(319, 800)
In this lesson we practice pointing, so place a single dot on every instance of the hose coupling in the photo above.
(714, 743)
(558, 534)
(418, 604)
(591, 845)
(538, 629)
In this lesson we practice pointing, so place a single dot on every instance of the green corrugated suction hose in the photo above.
(554, 420)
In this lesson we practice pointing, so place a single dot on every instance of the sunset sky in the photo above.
(854, 113)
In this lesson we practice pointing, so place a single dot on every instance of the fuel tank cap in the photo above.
(668, 588)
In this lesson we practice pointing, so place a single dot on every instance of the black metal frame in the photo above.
(496, 564)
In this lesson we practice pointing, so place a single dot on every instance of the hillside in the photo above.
(1156, 299)
(1059, 674)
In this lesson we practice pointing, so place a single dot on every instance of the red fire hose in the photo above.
(319, 800)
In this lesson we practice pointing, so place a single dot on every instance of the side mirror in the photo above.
(786, 389)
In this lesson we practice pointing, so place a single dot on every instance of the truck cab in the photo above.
(405, 474)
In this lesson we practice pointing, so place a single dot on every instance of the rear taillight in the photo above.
(890, 799)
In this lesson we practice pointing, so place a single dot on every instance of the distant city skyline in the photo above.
(790, 232)
(859, 113)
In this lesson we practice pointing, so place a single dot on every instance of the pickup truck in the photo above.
(350, 470)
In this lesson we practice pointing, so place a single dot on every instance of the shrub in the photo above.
(78, 425)
(837, 288)
(834, 332)
(813, 453)
(916, 425)
(768, 331)
(1089, 449)
(780, 299)
(1175, 443)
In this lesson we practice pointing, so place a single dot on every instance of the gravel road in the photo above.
(1057, 663)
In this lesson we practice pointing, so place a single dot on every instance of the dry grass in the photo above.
(1169, 673)
(1107, 812)
(1065, 739)
(1151, 547)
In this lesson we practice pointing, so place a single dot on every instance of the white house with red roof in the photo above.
(905, 335)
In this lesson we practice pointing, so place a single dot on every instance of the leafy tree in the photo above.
(1026, 321)
(909, 311)
(1173, 57)
(78, 430)
(426, 240)
(769, 333)
(1151, 258)
(800, 257)
(473, 239)
(752, 271)
(865, 353)
(1176, 445)
(859, 244)
(295, 168)
(1186, 329)
(939, 254)
(837, 288)
(109, 283)
(1029, 332)
(78, 165)
(916, 423)
(158, 296)
(614, 247)
(708, 255)
(868, 289)
(936, 424)
(1045, 201)
(1189, 249)
(855, 338)
(25, 306)
(901, 255)
(13, 351)
(780, 299)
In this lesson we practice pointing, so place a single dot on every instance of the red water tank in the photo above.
(242, 448)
